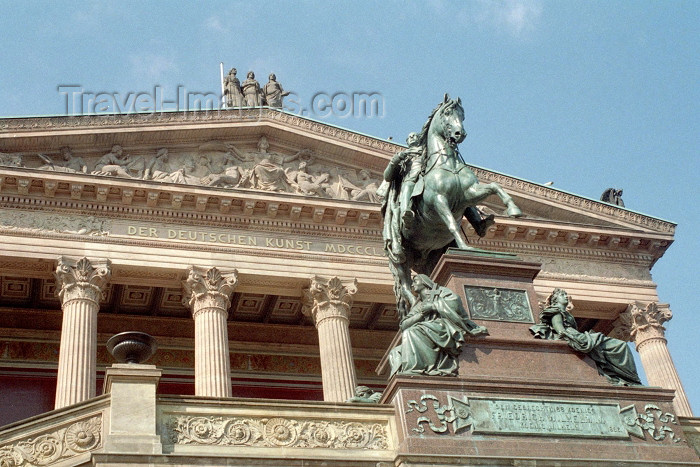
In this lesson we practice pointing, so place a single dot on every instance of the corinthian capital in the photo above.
(81, 279)
(646, 322)
(328, 298)
(208, 288)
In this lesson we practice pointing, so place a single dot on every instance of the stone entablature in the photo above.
(117, 197)
(283, 227)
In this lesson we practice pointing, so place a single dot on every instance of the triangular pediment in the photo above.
(225, 150)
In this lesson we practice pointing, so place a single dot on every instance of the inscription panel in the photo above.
(243, 238)
(546, 418)
(498, 304)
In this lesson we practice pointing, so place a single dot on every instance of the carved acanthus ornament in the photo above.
(58, 445)
(645, 322)
(277, 432)
(207, 289)
(82, 279)
(328, 298)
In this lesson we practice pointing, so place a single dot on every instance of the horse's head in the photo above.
(447, 121)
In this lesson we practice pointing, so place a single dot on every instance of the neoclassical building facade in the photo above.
(248, 243)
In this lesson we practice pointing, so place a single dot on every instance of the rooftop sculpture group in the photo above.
(250, 94)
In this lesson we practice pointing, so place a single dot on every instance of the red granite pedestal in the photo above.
(525, 401)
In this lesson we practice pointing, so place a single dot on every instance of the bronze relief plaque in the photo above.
(498, 304)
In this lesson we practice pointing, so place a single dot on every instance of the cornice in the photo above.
(28, 125)
(537, 236)
(589, 206)
(589, 279)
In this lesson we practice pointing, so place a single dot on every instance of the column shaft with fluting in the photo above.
(328, 302)
(208, 295)
(647, 331)
(79, 285)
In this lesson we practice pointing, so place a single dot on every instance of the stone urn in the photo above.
(132, 347)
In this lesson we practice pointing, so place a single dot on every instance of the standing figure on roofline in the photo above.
(251, 91)
(232, 90)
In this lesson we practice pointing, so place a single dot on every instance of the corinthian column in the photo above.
(208, 296)
(644, 326)
(328, 302)
(79, 285)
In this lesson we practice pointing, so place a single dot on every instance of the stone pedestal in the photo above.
(132, 417)
(328, 302)
(208, 295)
(79, 285)
(517, 397)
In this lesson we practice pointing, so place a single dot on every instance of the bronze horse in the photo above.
(446, 190)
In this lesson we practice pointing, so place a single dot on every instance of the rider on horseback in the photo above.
(410, 162)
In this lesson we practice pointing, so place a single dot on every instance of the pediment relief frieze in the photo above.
(215, 164)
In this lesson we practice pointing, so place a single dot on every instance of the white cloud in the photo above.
(214, 24)
(152, 66)
(519, 15)
(514, 17)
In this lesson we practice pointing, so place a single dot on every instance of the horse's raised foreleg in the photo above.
(443, 209)
(480, 191)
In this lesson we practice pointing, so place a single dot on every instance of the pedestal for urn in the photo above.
(517, 397)
(132, 388)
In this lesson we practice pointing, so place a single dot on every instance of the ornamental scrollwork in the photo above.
(54, 446)
(276, 432)
(456, 412)
(653, 422)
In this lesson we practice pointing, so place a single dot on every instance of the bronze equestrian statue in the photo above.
(429, 190)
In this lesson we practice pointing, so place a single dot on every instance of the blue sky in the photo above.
(588, 94)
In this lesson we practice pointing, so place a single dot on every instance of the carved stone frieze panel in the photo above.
(54, 446)
(276, 432)
(213, 164)
(47, 222)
